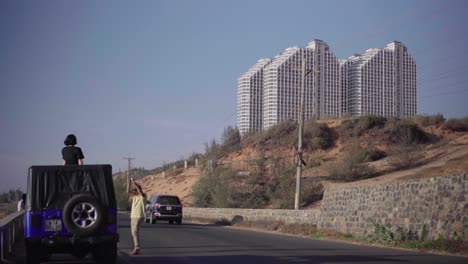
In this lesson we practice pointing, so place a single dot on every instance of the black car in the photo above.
(164, 207)
(71, 209)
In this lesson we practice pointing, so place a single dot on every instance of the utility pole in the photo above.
(300, 161)
(129, 159)
(297, 199)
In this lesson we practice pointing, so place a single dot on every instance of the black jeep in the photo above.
(71, 209)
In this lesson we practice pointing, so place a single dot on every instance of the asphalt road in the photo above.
(209, 244)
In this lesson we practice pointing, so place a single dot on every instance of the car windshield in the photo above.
(168, 200)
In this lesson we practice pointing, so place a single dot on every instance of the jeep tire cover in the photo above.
(83, 215)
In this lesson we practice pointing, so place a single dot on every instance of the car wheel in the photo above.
(171, 222)
(33, 252)
(83, 215)
(105, 253)
(179, 221)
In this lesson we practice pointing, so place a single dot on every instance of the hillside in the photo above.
(439, 151)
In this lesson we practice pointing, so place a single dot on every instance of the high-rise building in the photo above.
(345, 66)
(382, 82)
(282, 84)
(249, 98)
(379, 82)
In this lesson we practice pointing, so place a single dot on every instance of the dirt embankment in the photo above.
(180, 185)
(446, 156)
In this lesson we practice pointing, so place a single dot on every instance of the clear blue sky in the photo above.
(157, 79)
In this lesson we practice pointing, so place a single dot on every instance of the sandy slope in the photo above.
(180, 185)
(449, 156)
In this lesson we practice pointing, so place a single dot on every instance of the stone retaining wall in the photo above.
(438, 205)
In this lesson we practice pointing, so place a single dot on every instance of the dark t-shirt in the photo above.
(71, 155)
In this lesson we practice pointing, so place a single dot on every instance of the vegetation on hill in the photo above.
(285, 134)
(258, 171)
(270, 187)
(362, 141)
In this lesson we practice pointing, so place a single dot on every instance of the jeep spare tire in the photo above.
(83, 215)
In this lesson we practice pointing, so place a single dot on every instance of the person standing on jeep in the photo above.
(137, 213)
(72, 155)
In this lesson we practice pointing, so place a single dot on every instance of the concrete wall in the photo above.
(287, 216)
(440, 204)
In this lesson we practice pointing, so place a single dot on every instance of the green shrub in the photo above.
(405, 156)
(312, 193)
(348, 170)
(278, 135)
(404, 131)
(317, 136)
(281, 189)
(214, 190)
(121, 196)
(357, 126)
(351, 167)
(372, 154)
(382, 234)
(429, 120)
(457, 124)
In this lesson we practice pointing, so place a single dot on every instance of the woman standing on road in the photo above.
(72, 155)
(137, 213)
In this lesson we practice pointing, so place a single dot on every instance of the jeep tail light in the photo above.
(157, 205)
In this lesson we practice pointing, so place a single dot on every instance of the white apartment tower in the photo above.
(282, 84)
(249, 98)
(345, 68)
(379, 82)
(382, 82)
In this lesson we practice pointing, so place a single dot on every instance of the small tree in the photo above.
(405, 156)
(352, 166)
(120, 187)
(230, 139)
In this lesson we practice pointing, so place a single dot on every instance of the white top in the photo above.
(20, 205)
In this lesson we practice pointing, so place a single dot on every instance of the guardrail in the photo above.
(11, 229)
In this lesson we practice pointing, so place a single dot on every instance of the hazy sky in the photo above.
(157, 79)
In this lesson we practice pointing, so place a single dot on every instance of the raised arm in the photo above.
(128, 186)
(138, 187)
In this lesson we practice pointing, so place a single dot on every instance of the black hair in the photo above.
(70, 140)
(23, 197)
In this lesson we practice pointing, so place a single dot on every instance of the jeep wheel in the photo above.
(83, 215)
(33, 252)
(105, 253)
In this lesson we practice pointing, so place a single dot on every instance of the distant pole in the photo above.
(301, 132)
(129, 159)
